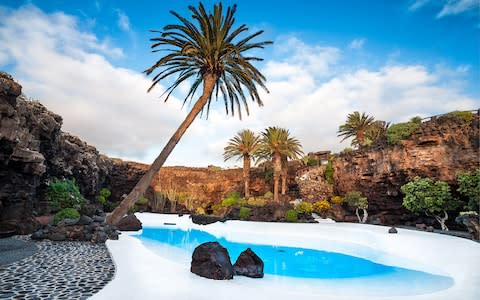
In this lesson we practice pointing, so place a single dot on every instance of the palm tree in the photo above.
(376, 131)
(244, 145)
(356, 126)
(276, 143)
(209, 52)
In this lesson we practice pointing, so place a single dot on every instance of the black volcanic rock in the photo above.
(248, 264)
(211, 260)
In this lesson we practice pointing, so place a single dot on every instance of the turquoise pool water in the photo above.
(288, 261)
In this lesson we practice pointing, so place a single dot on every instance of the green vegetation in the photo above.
(425, 195)
(268, 195)
(401, 131)
(356, 126)
(304, 208)
(321, 206)
(469, 186)
(291, 215)
(244, 213)
(465, 116)
(355, 200)
(109, 206)
(337, 200)
(232, 198)
(64, 194)
(256, 201)
(347, 150)
(328, 174)
(200, 211)
(66, 213)
(142, 200)
(103, 195)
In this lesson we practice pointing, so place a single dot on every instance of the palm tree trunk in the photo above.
(277, 169)
(142, 185)
(246, 174)
(360, 138)
(284, 175)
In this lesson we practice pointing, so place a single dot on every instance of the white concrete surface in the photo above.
(143, 274)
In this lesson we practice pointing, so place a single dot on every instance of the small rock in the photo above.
(100, 237)
(85, 220)
(430, 228)
(67, 222)
(205, 219)
(56, 236)
(211, 260)
(98, 219)
(113, 235)
(421, 226)
(129, 223)
(37, 235)
(248, 264)
(392, 230)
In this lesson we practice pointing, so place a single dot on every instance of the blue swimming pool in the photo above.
(285, 261)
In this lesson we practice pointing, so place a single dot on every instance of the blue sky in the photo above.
(391, 59)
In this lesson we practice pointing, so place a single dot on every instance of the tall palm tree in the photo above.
(356, 127)
(377, 130)
(276, 143)
(243, 145)
(210, 52)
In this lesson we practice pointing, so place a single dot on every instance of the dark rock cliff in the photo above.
(33, 149)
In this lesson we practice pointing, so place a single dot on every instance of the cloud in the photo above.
(311, 92)
(69, 71)
(447, 7)
(123, 21)
(357, 43)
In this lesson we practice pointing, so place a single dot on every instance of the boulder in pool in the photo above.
(211, 260)
(248, 264)
(129, 223)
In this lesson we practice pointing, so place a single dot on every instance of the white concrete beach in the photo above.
(143, 274)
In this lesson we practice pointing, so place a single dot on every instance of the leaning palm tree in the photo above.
(243, 145)
(208, 51)
(276, 143)
(356, 127)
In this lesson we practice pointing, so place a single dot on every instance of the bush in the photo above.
(347, 150)
(321, 206)
(200, 211)
(103, 195)
(328, 174)
(469, 186)
(257, 201)
(216, 207)
(312, 162)
(142, 200)
(465, 116)
(232, 198)
(416, 120)
(244, 213)
(66, 213)
(291, 215)
(268, 196)
(304, 208)
(64, 194)
(268, 175)
(355, 200)
(109, 206)
(337, 200)
(401, 131)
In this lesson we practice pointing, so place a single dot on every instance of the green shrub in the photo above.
(355, 200)
(312, 162)
(347, 150)
(416, 120)
(257, 201)
(109, 206)
(304, 208)
(321, 206)
(401, 131)
(232, 198)
(337, 200)
(465, 116)
(268, 196)
(103, 195)
(142, 200)
(66, 213)
(244, 213)
(328, 174)
(64, 194)
(268, 175)
(469, 186)
(216, 207)
(291, 215)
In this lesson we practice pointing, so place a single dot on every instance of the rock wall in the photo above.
(33, 149)
(439, 149)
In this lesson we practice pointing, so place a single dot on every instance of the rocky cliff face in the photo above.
(439, 149)
(33, 149)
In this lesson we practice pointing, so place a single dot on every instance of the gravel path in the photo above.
(13, 249)
(57, 270)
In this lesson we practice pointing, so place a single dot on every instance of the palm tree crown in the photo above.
(356, 126)
(209, 49)
(246, 142)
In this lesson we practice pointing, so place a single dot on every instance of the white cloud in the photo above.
(123, 21)
(357, 43)
(108, 107)
(68, 71)
(447, 7)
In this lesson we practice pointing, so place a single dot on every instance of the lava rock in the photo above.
(392, 230)
(37, 235)
(430, 228)
(85, 220)
(129, 223)
(98, 219)
(56, 236)
(248, 264)
(421, 226)
(470, 221)
(211, 260)
(67, 222)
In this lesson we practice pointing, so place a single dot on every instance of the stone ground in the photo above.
(55, 270)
